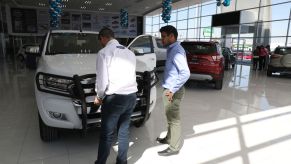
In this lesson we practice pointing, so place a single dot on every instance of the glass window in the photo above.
(289, 34)
(182, 14)
(182, 24)
(148, 29)
(289, 41)
(205, 32)
(163, 24)
(209, 9)
(193, 12)
(182, 34)
(249, 16)
(192, 33)
(246, 4)
(280, 11)
(216, 32)
(173, 24)
(156, 28)
(192, 23)
(72, 43)
(142, 45)
(204, 2)
(159, 43)
(277, 41)
(206, 21)
(277, 28)
(173, 17)
(156, 20)
(149, 20)
(199, 48)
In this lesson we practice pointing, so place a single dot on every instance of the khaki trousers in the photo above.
(172, 109)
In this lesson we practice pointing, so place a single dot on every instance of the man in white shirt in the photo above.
(116, 89)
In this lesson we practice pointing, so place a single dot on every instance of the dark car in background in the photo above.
(205, 61)
(229, 58)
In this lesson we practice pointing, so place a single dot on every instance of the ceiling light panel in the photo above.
(88, 2)
(108, 4)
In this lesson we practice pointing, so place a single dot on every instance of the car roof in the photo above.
(201, 42)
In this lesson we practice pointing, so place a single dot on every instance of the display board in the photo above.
(23, 20)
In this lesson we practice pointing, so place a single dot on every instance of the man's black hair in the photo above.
(170, 30)
(106, 32)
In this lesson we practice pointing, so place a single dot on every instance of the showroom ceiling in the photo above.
(134, 7)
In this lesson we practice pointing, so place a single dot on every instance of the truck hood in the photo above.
(69, 64)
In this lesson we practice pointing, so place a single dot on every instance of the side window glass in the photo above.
(159, 43)
(142, 45)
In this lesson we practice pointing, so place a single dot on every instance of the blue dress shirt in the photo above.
(176, 70)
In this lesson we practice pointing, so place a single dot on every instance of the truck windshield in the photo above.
(73, 43)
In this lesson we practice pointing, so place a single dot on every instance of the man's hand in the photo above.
(97, 101)
(169, 94)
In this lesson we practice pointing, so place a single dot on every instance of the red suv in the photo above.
(205, 61)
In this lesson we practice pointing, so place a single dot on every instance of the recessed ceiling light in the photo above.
(101, 9)
(63, 6)
(88, 2)
(108, 4)
(65, 0)
(83, 7)
(41, 4)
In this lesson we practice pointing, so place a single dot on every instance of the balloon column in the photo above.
(225, 2)
(123, 18)
(55, 13)
(167, 8)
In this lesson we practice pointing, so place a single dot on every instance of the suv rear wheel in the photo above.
(218, 84)
(47, 133)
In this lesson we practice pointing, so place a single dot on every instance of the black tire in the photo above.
(47, 133)
(218, 84)
(269, 71)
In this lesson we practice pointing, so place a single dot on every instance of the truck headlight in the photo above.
(56, 83)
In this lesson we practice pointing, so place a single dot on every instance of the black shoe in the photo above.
(168, 152)
(162, 140)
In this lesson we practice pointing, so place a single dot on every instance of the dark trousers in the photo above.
(255, 63)
(115, 113)
(262, 62)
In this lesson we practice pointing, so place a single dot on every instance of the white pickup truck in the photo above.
(65, 81)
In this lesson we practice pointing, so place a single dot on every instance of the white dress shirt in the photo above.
(115, 70)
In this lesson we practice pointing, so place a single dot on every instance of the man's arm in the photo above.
(101, 76)
(181, 64)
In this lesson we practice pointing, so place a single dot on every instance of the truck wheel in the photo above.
(47, 133)
(218, 84)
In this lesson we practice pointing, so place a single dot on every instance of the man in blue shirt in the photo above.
(176, 74)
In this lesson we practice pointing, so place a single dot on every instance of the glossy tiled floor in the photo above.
(248, 121)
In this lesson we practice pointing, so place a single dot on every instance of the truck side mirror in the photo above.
(137, 51)
(32, 50)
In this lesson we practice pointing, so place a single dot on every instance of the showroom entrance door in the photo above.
(240, 39)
